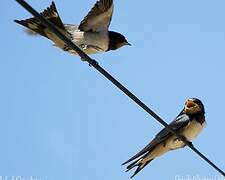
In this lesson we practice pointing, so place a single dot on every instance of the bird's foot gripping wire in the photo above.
(94, 63)
(184, 139)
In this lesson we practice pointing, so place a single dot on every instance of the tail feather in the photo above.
(140, 167)
(52, 15)
(133, 164)
(33, 24)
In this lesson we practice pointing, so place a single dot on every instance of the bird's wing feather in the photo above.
(99, 18)
(178, 123)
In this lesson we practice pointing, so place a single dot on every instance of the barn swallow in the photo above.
(92, 35)
(188, 124)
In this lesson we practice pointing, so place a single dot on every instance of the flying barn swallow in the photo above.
(188, 124)
(92, 35)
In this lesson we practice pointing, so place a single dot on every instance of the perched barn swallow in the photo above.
(92, 35)
(188, 124)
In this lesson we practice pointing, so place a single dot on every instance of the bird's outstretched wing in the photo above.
(99, 18)
(181, 121)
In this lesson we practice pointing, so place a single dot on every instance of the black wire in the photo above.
(92, 62)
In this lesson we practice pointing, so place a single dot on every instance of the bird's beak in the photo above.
(128, 44)
(190, 104)
(191, 107)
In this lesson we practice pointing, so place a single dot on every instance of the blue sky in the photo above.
(61, 119)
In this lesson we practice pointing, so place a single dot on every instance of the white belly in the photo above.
(91, 43)
(190, 132)
(193, 130)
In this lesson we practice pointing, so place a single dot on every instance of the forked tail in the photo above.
(36, 27)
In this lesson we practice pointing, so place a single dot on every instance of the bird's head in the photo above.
(194, 106)
(117, 40)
